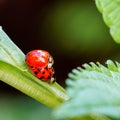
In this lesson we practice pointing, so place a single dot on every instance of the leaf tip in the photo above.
(0, 27)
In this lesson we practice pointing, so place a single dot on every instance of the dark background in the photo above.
(72, 31)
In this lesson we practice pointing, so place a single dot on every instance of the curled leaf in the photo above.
(110, 10)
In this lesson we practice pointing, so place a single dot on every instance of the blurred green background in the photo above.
(73, 32)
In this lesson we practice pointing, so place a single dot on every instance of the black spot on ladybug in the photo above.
(46, 68)
(43, 72)
(39, 69)
(32, 66)
(48, 77)
(36, 72)
(42, 77)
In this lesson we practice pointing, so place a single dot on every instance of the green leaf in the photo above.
(110, 10)
(14, 72)
(9, 52)
(30, 85)
(93, 90)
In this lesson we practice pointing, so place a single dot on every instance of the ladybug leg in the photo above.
(50, 62)
(53, 79)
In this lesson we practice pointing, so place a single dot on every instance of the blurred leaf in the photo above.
(75, 27)
(110, 10)
(94, 90)
(14, 107)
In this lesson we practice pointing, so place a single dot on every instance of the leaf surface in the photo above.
(110, 10)
(93, 90)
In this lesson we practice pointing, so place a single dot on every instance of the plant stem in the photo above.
(51, 95)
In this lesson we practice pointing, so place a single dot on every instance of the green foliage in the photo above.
(110, 10)
(94, 91)
(78, 24)
(23, 108)
(14, 72)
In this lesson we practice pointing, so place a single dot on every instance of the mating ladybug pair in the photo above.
(40, 63)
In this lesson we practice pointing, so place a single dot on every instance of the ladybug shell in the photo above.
(44, 74)
(37, 58)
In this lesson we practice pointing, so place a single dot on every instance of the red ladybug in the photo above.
(40, 63)
(44, 74)
(39, 58)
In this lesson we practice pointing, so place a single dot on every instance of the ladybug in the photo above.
(39, 58)
(40, 63)
(44, 74)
